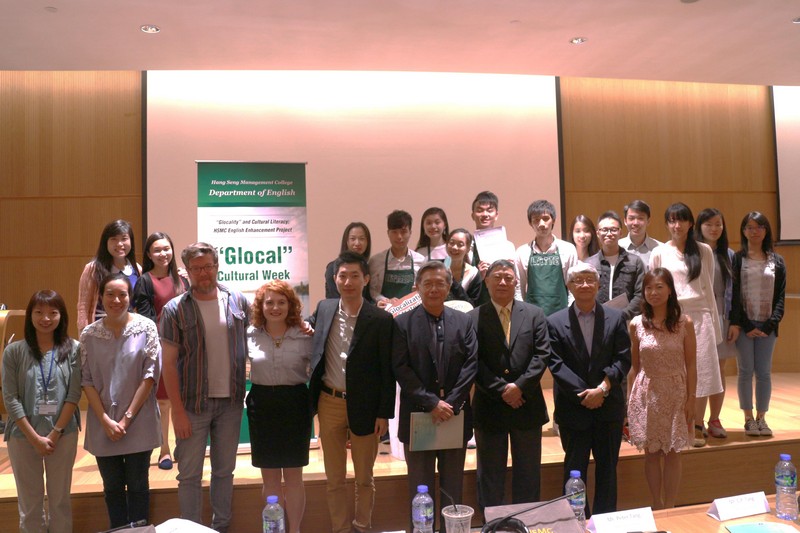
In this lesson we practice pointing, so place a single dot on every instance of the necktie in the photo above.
(505, 320)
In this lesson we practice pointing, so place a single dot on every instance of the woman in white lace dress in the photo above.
(691, 264)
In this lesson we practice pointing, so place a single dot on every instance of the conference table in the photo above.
(687, 519)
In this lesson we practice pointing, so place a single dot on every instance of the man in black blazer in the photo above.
(590, 354)
(435, 358)
(513, 349)
(352, 389)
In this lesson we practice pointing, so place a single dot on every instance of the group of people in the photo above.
(160, 339)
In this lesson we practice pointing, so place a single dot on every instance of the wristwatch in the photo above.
(60, 431)
(129, 415)
(604, 388)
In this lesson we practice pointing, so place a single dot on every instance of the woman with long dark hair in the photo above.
(355, 238)
(759, 290)
(433, 233)
(120, 356)
(583, 235)
(278, 405)
(691, 264)
(116, 252)
(467, 280)
(661, 404)
(711, 229)
(41, 391)
(159, 283)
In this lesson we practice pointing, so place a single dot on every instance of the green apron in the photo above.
(546, 282)
(397, 283)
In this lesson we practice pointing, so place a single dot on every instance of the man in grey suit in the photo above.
(435, 358)
(513, 349)
(352, 389)
(590, 353)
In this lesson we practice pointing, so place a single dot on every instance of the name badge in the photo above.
(738, 506)
(631, 520)
(46, 408)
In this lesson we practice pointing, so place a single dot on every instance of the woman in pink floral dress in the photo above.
(661, 404)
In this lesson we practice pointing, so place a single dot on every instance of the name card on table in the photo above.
(631, 520)
(738, 506)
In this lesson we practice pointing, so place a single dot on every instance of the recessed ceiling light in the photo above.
(51, 9)
(796, 20)
(578, 40)
(689, 1)
(149, 28)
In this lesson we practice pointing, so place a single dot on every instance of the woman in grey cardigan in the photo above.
(41, 390)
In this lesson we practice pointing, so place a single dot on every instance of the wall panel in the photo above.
(70, 161)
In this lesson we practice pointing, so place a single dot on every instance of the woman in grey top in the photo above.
(41, 390)
(759, 290)
(120, 356)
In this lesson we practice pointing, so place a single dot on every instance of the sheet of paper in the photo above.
(493, 244)
(618, 302)
(426, 435)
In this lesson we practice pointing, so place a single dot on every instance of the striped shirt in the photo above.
(181, 324)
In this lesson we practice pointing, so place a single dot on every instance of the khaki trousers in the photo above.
(333, 432)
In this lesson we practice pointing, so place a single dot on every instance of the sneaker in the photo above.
(751, 428)
(699, 439)
(716, 430)
(763, 428)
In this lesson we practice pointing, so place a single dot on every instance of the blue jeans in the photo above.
(126, 486)
(222, 422)
(755, 356)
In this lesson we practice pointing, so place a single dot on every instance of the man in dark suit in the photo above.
(435, 358)
(513, 348)
(590, 354)
(352, 389)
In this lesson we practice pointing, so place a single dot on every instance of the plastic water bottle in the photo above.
(786, 488)
(272, 516)
(576, 486)
(422, 511)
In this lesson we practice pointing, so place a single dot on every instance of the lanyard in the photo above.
(46, 384)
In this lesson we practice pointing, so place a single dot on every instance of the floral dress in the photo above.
(656, 417)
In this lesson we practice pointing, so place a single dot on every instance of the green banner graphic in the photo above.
(254, 214)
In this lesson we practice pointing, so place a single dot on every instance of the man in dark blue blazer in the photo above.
(590, 354)
(513, 349)
(352, 389)
(435, 358)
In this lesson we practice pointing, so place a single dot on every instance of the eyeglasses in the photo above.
(755, 228)
(583, 281)
(605, 231)
(208, 269)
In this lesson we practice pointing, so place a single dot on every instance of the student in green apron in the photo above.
(543, 263)
(392, 271)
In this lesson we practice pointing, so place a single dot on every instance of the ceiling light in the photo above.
(796, 20)
(578, 40)
(689, 1)
(51, 9)
(149, 28)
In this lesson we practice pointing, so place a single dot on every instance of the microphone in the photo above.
(509, 523)
(138, 523)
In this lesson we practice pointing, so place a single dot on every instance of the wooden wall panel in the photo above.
(70, 161)
(707, 145)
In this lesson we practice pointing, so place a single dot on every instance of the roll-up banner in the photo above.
(254, 214)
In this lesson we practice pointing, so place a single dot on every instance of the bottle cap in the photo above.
(272, 499)
(574, 473)
(786, 457)
(422, 488)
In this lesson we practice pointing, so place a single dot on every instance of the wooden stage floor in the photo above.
(746, 460)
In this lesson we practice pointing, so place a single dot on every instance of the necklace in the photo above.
(277, 342)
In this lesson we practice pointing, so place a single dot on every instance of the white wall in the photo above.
(373, 141)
